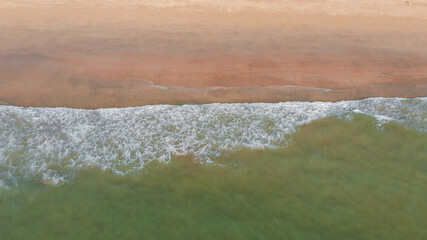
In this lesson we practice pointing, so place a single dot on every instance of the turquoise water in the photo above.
(295, 170)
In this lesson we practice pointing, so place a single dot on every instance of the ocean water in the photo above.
(51, 144)
(294, 170)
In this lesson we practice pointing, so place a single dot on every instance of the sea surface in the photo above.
(291, 170)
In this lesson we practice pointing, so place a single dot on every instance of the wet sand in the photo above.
(127, 54)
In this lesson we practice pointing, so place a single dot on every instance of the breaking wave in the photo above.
(51, 144)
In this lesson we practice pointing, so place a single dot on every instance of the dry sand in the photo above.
(94, 53)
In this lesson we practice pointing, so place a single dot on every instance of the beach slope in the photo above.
(93, 54)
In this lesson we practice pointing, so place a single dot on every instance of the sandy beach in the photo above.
(93, 54)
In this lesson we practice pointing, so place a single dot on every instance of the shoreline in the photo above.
(155, 95)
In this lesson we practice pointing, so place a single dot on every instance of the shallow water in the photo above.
(294, 170)
(337, 178)
(51, 144)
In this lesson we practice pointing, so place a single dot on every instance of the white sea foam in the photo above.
(51, 144)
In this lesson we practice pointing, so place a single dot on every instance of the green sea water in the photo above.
(336, 179)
